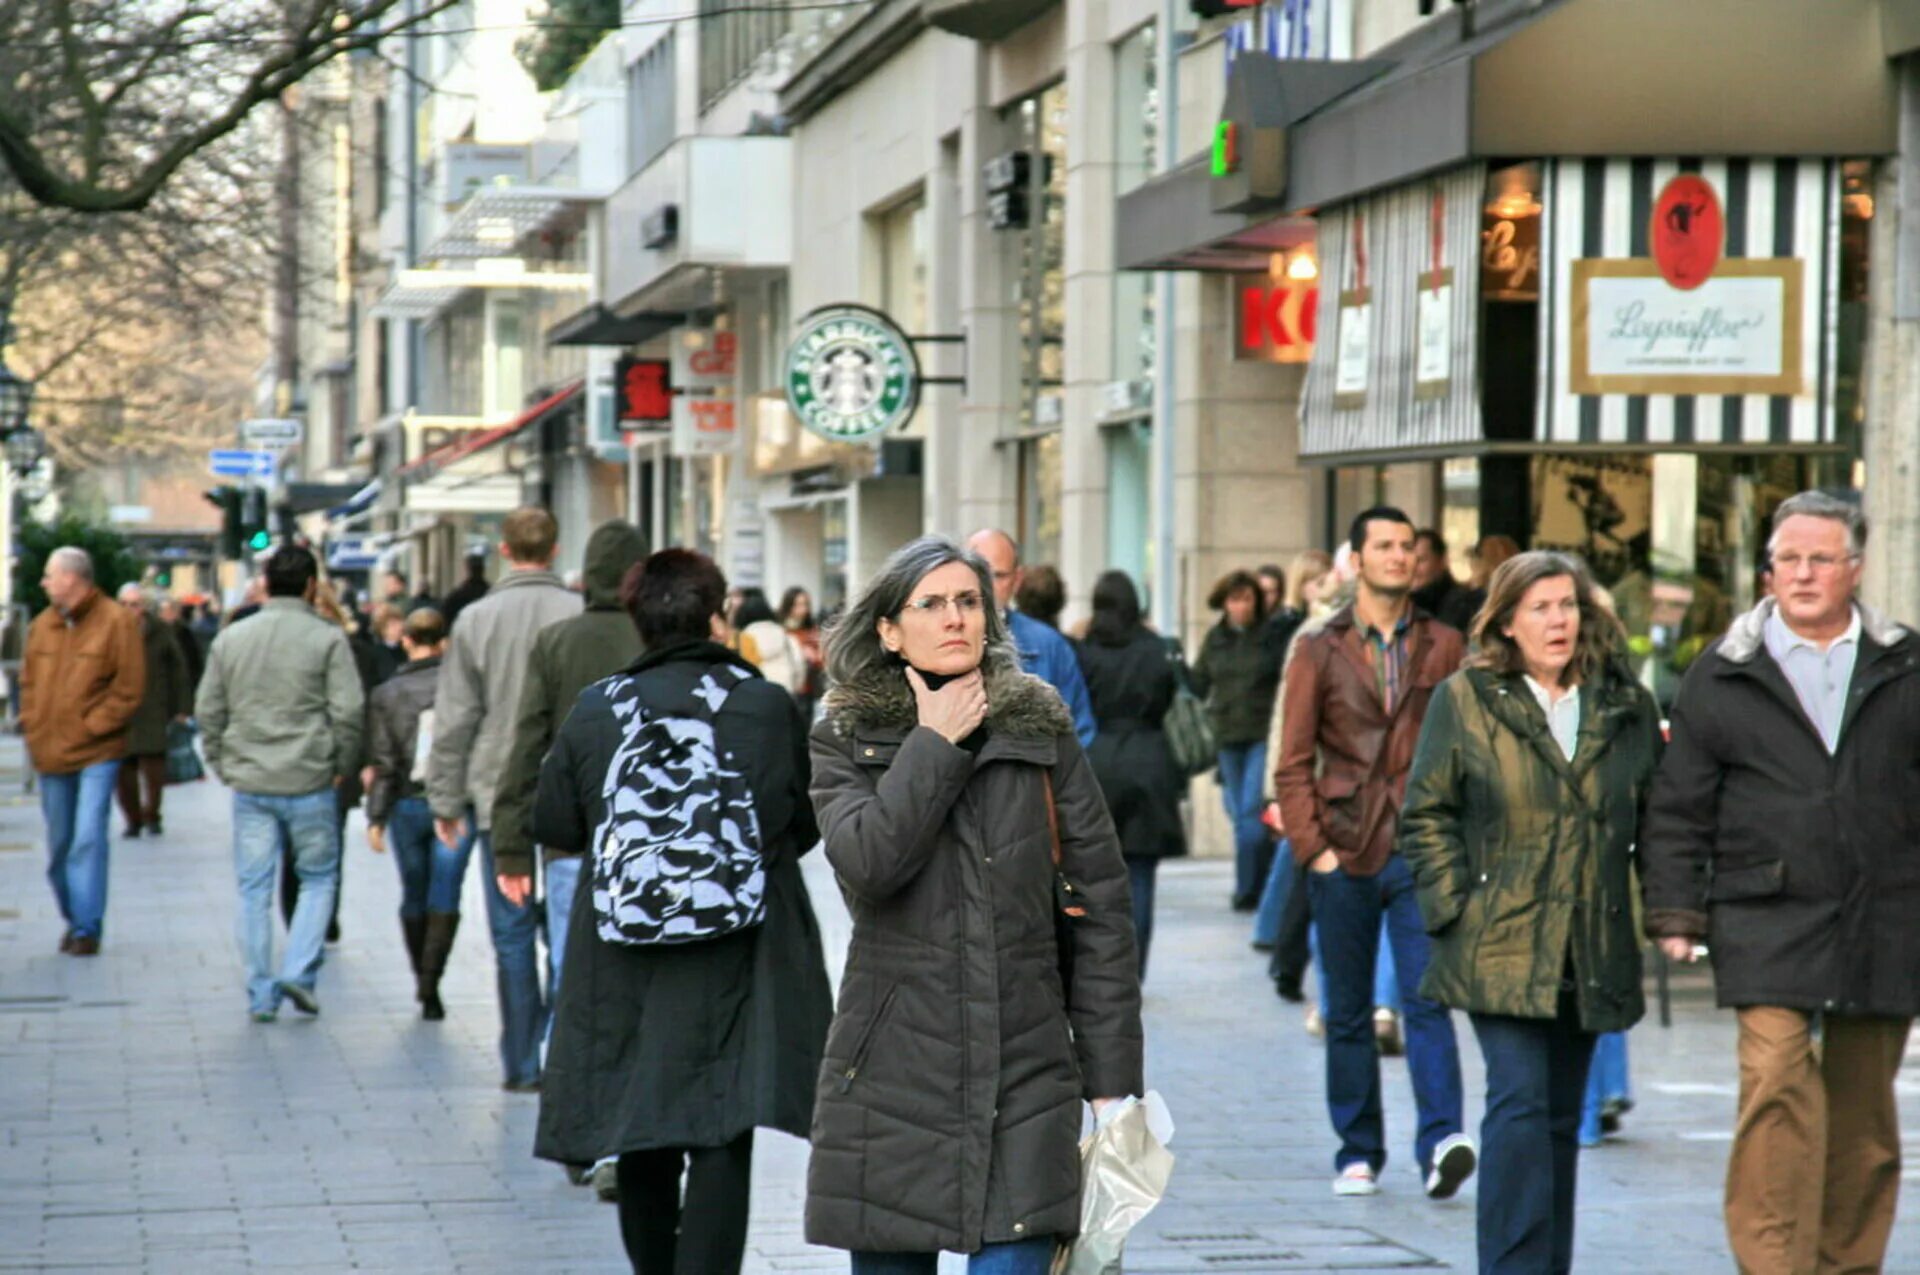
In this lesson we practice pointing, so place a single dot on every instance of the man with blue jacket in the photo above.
(1043, 652)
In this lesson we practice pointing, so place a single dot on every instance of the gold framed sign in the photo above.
(1739, 332)
(1353, 349)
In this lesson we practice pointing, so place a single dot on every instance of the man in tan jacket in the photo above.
(83, 678)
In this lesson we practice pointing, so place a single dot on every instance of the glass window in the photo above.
(650, 105)
(1043, 275)
(733, 35)
(1136, 108)
(903, 266)
(1039, 532)
(1129, 518)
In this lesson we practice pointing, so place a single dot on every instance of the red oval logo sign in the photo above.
(1688, 231)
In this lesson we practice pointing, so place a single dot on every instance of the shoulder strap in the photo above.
(1053, 816)
(1065, 897)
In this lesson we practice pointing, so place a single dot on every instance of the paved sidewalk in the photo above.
(145, 1124)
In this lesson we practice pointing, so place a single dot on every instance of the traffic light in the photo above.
(227, 500)
(253, 520)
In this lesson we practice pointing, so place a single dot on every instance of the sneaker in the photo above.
(1386, 1034)
(302, 997)
(1316, 1026)
(1357, 1179)
(606, 1181)
(1453, 1163)
(265, 1015)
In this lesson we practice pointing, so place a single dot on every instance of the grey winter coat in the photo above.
(1800, 869)
(479, 693)
(281, 709)
(949, 1104)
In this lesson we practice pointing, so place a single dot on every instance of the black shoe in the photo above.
(524, 1086)
(154, 828)
(131, 832)
(1246, 903)
(1289, 990)
(302, 997)
(430, 1007)
(333, 931)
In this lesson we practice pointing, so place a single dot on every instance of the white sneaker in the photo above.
(1356, 1179)
(1453, 1163)
(1316, 1027)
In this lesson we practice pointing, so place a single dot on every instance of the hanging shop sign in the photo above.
(705, 420)
(851, 373)
(643, 391)
(1738, 332)
(1353, 336)
(1433, 310)
(1688, 231)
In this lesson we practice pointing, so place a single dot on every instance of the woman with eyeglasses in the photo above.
(975, 1016)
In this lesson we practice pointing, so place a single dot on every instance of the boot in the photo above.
(441, 927)
(415, 928)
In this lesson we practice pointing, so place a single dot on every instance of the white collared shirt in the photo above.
(1563, 714)
(1819, 678)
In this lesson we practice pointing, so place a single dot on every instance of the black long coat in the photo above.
(1131, 687)
(949, 1104)
(169, 690)
(1801, 869)
(688, 1045)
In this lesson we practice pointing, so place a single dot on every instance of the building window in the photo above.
(733, 35)
(1040, 471)
(903, 265)
(1042, 121)
(650, 93)
(1136, 108)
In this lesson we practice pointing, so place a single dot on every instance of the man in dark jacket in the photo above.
(1435, 591)
(469, 590)
(168, 698)
(1356, 693)
(1780, 830)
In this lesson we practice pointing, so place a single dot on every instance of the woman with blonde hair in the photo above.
(1522, 813)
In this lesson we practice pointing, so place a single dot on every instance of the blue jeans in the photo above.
(1140, 877)
(1273, 895)
(77, 807)
(1529, 1155)
(1348, 911)
(430, 874)
(1241, 769)
(310, 824)
(1607, 1081)
(1386, 983)
(516, 961)
(1020, 1257)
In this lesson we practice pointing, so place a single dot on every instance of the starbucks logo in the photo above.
(851, 373)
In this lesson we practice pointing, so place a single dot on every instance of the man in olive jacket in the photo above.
(282, 718)
(1781, 831)
(567, 658)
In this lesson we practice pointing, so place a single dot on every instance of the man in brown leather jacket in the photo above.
(83, 679)
(1355, 693)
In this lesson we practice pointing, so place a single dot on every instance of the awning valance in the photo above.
(598, 325)
(477, 441)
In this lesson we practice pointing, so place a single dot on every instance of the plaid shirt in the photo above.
(1387, 653)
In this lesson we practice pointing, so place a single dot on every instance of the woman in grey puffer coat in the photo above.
(950, 1100)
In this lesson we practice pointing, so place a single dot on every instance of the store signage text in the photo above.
(704, 418)
(1277, 320)
(1510, 259)
(1737, 332)
(851, 373)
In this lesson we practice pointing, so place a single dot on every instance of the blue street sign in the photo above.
(237, 463)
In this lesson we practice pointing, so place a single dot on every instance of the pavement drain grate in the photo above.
(1235, 1259)
(1209, 1237)
(15, 847)
(6, 1001)
(9, 914)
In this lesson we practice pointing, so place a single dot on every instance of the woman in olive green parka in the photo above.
(1520, 820)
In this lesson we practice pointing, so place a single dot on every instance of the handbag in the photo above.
(183, 760)
(1189, 733)
(1067, 905)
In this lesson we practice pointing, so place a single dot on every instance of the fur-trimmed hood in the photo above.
(1019, 705)
(1748, 633)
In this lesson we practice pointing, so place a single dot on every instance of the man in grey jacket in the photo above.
(474, 712)
(280, 709)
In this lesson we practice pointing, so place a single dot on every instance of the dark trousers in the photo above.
(704, 1235)
(1349, 910)
(1140, 876)
(1530, 1139)
(142, 777)
(1291, 949)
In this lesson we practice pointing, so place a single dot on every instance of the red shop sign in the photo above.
(1688, 231)
(645, 389)
(1277, 320)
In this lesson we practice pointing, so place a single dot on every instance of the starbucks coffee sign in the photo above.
(851, 374)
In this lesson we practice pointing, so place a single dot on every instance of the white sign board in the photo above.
(1737, 333)
(705, 413)
(272, 432)
(1353, 349)
(1433, 334)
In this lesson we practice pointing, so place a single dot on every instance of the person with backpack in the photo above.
(695, 1002)
(977, 1016)
(400, 724)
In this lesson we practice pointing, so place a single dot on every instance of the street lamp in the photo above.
(24, 447)
(16, 394)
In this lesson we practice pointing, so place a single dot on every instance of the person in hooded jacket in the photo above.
(947, 783)
(670, 1055)
(1131, 683)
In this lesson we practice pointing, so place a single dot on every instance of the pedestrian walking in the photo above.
(1042, 650)
(468, 591)
(1042, 594)
(567, 658)
(399, 821)
(475, 707)
(669, 1050)
(80, 684)
(796, 615)
(1131, 684)
(1435, 591)
(1780, 833)
(950, 1102)
(1238, 674)
(1520, 821)
(282, 720)
(167, 610)
(168, 698)
(1356, 691)
(765, 643)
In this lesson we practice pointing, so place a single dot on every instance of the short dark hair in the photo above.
(752, 608)
(1433, 540)
(1231, 583)
(673, 596)
(1042, 594)
(1357, 533)
(290, 570)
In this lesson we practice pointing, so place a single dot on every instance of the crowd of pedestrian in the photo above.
(1441, 794)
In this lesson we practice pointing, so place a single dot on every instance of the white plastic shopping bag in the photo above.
(1124, 1168)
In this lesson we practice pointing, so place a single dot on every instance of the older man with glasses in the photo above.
(1781, 832)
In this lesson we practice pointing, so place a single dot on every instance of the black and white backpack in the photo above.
(677, 859)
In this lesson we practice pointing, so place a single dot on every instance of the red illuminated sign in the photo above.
(644, 389)
(1276, 320)
(1688, 231)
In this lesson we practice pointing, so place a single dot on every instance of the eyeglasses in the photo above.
(1821, 563)
(934, 604)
